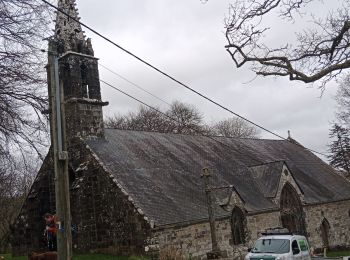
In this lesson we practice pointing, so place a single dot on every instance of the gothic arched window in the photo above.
(325, 227)
(238, 226)
(292, 216)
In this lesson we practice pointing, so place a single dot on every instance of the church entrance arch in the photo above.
(292, 216)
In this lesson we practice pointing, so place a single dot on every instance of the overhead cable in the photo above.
(134, 84)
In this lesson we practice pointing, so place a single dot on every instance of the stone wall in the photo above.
(195, 241)
(192, 240)
(85, 118)
(260, 222)
(105, 216)
(338, 217)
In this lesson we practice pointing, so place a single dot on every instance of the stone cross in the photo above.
(215, 247)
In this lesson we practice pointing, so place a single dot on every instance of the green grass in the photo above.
(338, 253)
(8, 256)
(98, 257)
(85, 257)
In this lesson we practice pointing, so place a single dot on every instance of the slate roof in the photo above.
(162, 171)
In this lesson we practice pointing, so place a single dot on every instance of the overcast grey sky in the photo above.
(186, 39)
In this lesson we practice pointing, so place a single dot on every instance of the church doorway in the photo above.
(325, 227)
(292, 216)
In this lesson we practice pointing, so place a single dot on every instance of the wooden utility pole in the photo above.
(59, 146)
(215, 247)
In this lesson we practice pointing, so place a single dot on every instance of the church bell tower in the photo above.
(78, 72)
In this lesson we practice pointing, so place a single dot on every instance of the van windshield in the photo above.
(273, 246)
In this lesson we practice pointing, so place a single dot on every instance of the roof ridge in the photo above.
(197, 134)
(266, 163)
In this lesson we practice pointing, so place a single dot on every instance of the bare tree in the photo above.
(319, 53)
(343, 100)
(145, 119)
(16, 177)
(187, 119)
(234, 127)
(23, 24)
(179, 118)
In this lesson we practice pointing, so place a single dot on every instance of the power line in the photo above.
(172, 118)
(172, 78)
(134, 98)
(134, 84)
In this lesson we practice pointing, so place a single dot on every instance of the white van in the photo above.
(280, 247)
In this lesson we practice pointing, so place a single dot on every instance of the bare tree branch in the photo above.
(318, 54)
(23, 25)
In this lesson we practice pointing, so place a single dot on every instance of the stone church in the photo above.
(135, 192)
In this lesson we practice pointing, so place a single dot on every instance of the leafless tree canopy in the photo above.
(320, 53)
(179, 118)
(182, 119)
(234, 127)
(15, 180)
(23, 24)
(188, 119)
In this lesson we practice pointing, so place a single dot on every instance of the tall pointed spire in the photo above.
(68, 32)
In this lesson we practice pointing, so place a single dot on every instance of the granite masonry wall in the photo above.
(194, 240)
(104, 217)
(338, 216)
